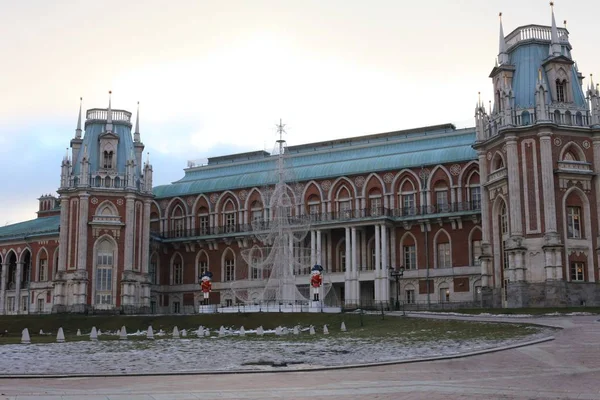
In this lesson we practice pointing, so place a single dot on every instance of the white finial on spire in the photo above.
(502, 56)
(555, 47)
(109, 125)
(78, 130)
(136, 132)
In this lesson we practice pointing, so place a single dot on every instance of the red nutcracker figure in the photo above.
(206, 285)
(316, 280)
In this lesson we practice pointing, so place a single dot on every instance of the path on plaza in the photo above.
(566, 368)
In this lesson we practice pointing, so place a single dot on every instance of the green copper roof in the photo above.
(382, 152)
(34, 227)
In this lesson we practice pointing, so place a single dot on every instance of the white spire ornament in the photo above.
(136, 132)
(109, 125)
(555, 47)
(78, 130)
(502, 55)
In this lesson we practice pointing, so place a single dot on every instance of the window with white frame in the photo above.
(444, 258)
(177, 273)
(503, 220)
(10, 304)
(314, 208)
(475, 252)
(560, 90)
(230, 221)
(202, 267)
(409, 255)
(229, 270)
(342, 258)
(345, 208)
(410, 296)
(574, 222)
(577, 274)
(203, 224)
(152, 269)
(255, 272)
(475, 195)
(104, 275)
(505, 257)
(178, 222)
(441, 200)
(372, 265)
(376, 206)
(43, 270)
(408, 204)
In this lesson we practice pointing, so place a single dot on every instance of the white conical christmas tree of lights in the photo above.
(281, 250)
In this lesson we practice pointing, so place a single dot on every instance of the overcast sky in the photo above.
(214, 77)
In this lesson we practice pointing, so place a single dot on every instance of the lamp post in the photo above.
(396, 274)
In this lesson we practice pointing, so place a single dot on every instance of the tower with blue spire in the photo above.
(105, 196)
(539, 153)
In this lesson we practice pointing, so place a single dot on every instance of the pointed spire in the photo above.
(78, 130)
(502, 56)
(136, 133)
(109, 125)
(66, 158)
(555, 48)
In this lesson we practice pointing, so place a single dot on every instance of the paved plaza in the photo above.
(566, 368)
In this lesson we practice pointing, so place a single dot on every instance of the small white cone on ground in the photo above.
(78, 332)
(312, 330)
(99, 332)
(25, 339)
(285, 331)
(260, 331)
(123, 333)
(207, 332)
(60, 336)
(150, 333)
(94, 334)
(200, 331)
(175, 333)
(296, 330)
(221, 331)
(183, 333)
(278, 331)
(325, 330)
(343, 327)
(242, 331)
(41, 332)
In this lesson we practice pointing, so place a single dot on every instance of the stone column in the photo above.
(393, 263)
(129, 227)
(145, 288)
(82, 240)
(3, 288)
(18, 281)
(377, 268)
(347, 266)
(64, 234)
(319, 257)
(548, 181)
(363, 248)
(486, 251)
(514, 186)
(313, 248)
(385, 281)
(354, 271)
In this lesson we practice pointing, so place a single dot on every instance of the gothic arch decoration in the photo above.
(251, 197)
(406, 240)
(307, 188)
(52, 269)
(176, 269)
(256, 253)
(104, 272)
(157, 208)
(571, 151)
(173, 203)
(339, 260)
(10, 259)
(441, 237)
(227, 257)
(107, 209)
(177, 220)
(223, 198)
(401, 177)
(42, 267)
(370, 253)
(433, 173)
(586, 239)
(342, 181)
(368, 185)
(499, 212)
(201, 257)
(474, 234)
(201, 201)
(497, 162)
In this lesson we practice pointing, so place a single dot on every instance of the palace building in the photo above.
(504, 214)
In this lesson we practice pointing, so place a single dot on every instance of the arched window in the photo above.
(313, 207)
(561, 89)
(229, 216)
(443, 251)
(503, 220)
(108, 159)
(406, 198)
(568, 119)
(177, 270)
(344, 203)
(579, 119)
(42, 266)
(525, 118)
(256, 210)
(229, 266)
(178, 222)
(104, 273)
(375, 202)
(441, 197)
(203, 221)
(256, 264)
(557, 117)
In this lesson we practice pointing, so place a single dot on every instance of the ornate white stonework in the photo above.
(326, 185)
(243, 194)
(424, 173)
(190, 201)
(557, 142)
(359, 181)
(455, 169)
(504, 148)
(214, 197)
(119, 202)
(586, 144)
(489, 155)
(94, 200)
(164, 204)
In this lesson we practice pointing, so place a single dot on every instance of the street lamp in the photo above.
(396, 274)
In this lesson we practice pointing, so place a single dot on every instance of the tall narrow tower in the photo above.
(105, 197)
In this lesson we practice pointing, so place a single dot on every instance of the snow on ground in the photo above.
(223, 354)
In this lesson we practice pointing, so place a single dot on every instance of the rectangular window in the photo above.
(408, 204)
(10, 304)
(343, 260)
(314, 208)
(40, 305)
(230, 222)
(228, 303)
(476, 252)
(475, 197)
(346, 209)
(176, 307)
(410, 256)
(202, 267)
(373, 263)
(43, 270)
(560, 91)
(441, 198)
(203, 219)
(376, 208)
(178, 227)
(257, 215)
(229, 270)
(254, 270)
(577, 269)
(152, 271)
(410, 296)
(444, 258)
(574, 222)
(177, 274)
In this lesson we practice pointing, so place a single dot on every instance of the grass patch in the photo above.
(530, 311)
(371, 327)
